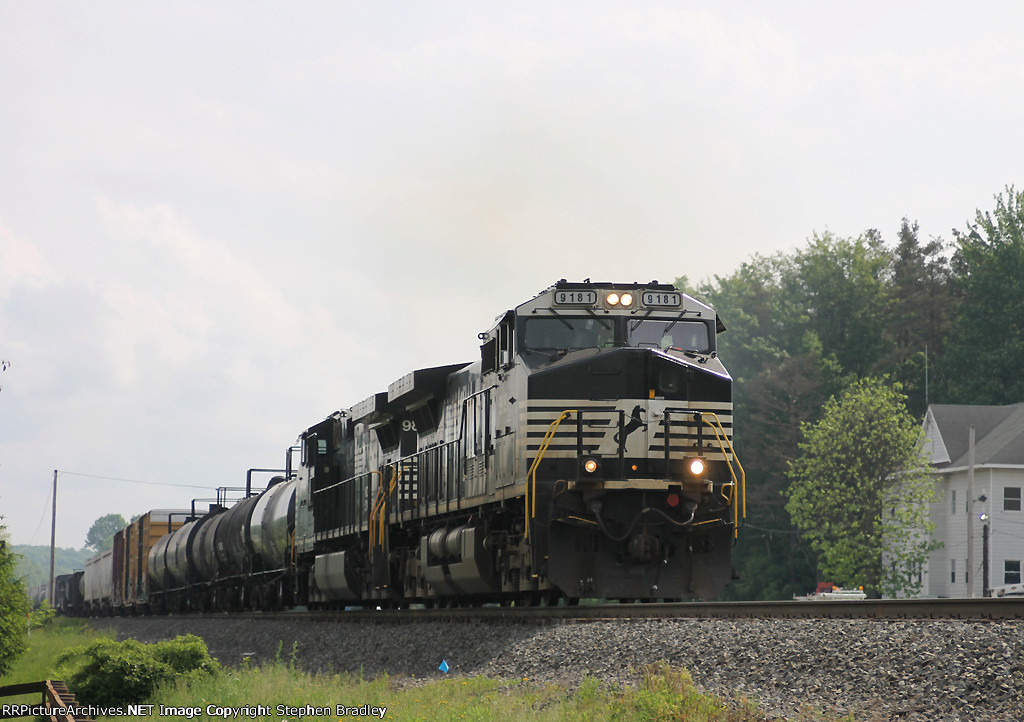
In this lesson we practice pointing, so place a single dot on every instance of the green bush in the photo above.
(186, 655)
(109, 673)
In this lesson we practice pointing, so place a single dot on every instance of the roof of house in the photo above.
(998, 434)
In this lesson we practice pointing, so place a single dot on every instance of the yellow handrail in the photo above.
(379, 502)
(741, 482)
(725, 444)
(528, 511)
(382, 516)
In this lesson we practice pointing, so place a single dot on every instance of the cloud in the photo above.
(179, 361)
(21, 263)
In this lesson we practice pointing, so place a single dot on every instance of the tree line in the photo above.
(936, 321)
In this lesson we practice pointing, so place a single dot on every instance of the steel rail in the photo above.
(923, 609)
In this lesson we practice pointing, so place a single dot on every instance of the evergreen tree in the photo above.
(918, 316)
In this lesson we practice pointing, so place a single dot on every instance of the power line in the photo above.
(772, 531)
(46, 507)
(1003, 532)
(135, 481)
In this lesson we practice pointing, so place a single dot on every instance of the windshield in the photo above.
(681, 335)
(564, 332)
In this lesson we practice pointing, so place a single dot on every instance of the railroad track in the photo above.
(966, 609)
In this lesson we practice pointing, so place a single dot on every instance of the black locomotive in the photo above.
(586, 453)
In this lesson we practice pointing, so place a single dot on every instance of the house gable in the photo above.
(999, 434)
(933, 443)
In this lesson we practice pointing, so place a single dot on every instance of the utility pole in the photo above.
(53, 533)
(970, 514)
(984, 561)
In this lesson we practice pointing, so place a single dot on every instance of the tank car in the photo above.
(231, 557)
(586, 453)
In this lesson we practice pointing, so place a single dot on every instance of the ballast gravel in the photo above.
(877, 669)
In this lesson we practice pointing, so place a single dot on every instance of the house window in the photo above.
(952, 571)
(1011, 498)
(1011, 571)
(952, 501)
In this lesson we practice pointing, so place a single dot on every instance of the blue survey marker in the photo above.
(444, 666)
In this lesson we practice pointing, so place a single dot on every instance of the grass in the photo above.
(664, 693)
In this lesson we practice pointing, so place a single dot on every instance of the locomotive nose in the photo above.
(628, 373)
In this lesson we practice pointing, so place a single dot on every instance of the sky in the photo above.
(221, 222)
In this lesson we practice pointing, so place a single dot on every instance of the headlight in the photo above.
(588, 468)
(697, 466)
(626, 299)
(612, 299)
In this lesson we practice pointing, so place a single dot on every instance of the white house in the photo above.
(997, 504)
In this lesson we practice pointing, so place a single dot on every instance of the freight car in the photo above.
(69, 593)
(117, 580)
(586, 453)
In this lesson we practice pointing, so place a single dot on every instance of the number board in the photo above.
(575, 298)
(661, 298)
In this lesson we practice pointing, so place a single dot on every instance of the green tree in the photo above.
(918, 313)
(778, 384)
(752, 303)
(101, 534)
(13, 608)
(986, 342)
(802, 326)
(839, 284)
(777, 563)
(782, 378)
(859, 490)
